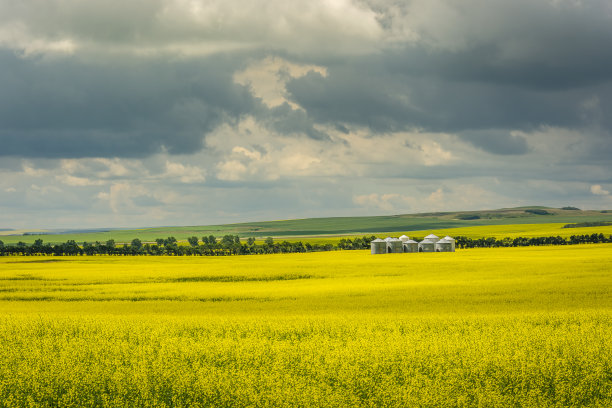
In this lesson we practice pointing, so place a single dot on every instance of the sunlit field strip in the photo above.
(519, 276)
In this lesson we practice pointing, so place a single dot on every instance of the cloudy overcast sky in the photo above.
(124, 113)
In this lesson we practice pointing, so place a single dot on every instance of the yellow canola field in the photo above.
(481, 327)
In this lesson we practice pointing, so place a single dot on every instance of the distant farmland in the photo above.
(339, 226)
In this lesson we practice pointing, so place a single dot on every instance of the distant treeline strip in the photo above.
(464, 242)
(207, 246)
(231, 245)
(588, 224)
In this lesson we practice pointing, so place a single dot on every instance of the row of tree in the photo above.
(464, 242)
(207, 246)
(232, 245)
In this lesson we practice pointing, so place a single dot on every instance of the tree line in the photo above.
(233, 245)
(206, 246)
(464, 242)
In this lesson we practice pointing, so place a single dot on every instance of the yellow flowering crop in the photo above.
(529, 327)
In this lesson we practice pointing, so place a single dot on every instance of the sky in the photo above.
(133, 113)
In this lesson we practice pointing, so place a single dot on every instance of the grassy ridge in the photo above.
(500, 327)
(335, 226)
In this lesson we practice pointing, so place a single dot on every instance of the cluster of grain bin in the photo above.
(431, 243)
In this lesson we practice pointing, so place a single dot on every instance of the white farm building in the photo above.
(403, 244)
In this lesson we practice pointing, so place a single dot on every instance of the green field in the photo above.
(529, 327)
(324, 227)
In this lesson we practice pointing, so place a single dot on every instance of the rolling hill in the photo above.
(333, 226)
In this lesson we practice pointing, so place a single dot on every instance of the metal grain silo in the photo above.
(444, 245)
(432, 238)
(404, 238)
(427, 246)
(411, 246)
(395, 246)
(378, 247)
(452, 240)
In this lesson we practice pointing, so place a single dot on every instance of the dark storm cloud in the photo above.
(63, 107)
(491, 65)
(496, 141)
(463, 68)
(391, 102)
(350, 95)
(534, 44)
(288, 121)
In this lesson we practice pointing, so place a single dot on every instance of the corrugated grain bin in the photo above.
(427, 246)
(411, 246)
(432, 238)
(395, 246)
(378, 247)
(444, 245)
(452, 240)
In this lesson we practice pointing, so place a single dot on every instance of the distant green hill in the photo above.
(329, 226)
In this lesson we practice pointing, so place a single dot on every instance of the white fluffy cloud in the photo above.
(185, 173)
(267, 78)
(599, 190)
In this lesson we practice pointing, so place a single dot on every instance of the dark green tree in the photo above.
(70, 247)
(88, 248)
(136, 246)
(110, 246)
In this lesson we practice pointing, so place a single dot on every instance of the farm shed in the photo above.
(427, 246)
(444, 245)
(378, 246)
(411, 246)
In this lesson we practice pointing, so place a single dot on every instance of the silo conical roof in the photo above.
(449, 238)
(378, 240)
(431, 236)
(404, 238)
